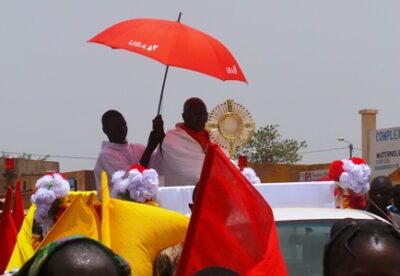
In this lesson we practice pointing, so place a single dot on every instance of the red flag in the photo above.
(8, 233)
(18, 209)
(7, 202)
(232, 226)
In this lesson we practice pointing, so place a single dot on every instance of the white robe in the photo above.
(182, 158)
(114, 157)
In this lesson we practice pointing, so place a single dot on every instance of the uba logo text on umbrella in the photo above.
(142, 45)
(231, 70)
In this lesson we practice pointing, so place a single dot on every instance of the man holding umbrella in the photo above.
(117, 154)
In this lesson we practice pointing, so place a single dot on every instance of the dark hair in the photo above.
(347, 234)
(109, 114)
(189, 103)
(84, 257)
(380, 183)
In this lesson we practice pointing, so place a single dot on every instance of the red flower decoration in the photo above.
(139, 167)
(358, 160)
(335, 170)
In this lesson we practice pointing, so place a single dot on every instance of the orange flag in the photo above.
(232, 226)
(18, 209)
(8, 233)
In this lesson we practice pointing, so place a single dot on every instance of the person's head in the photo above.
(195, 114)
(381, 191)
(114, 126)
(396, 195)
(216, 271)
(367, 247)
(77, 255)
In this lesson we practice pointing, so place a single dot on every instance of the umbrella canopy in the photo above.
(173, 44)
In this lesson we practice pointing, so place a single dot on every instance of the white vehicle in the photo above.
(303, 233)
(304, 213)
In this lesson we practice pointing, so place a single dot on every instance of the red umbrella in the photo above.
(173, 44)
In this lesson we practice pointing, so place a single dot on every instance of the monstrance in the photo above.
(230, 125)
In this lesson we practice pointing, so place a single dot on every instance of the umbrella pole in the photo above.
(165, 76)
(162, 90)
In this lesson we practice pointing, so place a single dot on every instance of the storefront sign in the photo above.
(384, 151)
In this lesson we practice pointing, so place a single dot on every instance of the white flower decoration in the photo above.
(48, 189)
(44, 182)
(60, 186)
(118, 175)
(43, 196)
(249, 173)
(134, 176)
(251, 176)
(140, 187)
(355, 177)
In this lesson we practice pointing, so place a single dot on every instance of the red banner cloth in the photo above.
(18, 208)
(232, 226)
(8, 233)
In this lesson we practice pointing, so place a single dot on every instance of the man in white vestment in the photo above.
(183, 148)
(117, 154)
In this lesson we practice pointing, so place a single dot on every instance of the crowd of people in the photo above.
(384, 199)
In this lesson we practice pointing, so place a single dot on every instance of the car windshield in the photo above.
(302, 244)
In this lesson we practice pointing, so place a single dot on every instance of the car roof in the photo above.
(291, 214)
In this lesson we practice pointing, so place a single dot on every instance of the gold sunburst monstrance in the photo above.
(230, 125)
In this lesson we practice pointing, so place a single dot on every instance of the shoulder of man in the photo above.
(176, 133)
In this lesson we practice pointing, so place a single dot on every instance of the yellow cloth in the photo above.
(78, 218)
(105, 213)
(23, 248)
(90, 197)
(135, 231)
(138, 231)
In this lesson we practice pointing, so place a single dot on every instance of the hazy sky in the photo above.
(311, 65)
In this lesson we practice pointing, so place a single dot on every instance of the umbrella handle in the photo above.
(162, 90)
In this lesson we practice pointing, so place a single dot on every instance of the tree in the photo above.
(266, 146)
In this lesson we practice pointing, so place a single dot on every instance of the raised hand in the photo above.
(158, 124)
